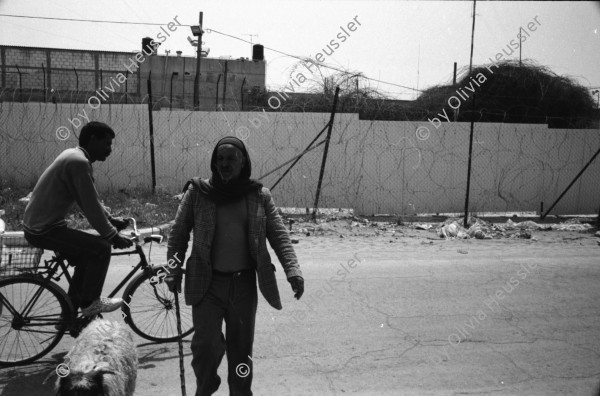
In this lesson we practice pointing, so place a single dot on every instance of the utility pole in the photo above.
(198, 32)
(418, 67)
(520, 45)
(472, 38)
(466, 219)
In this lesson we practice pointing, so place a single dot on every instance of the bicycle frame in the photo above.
(51, 272)
(137, 250)
(44, 323)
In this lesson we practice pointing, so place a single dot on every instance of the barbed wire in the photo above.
(372, 166)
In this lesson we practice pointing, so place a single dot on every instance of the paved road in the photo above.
(409, 317)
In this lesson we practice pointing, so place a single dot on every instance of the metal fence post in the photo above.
(466, 219)
(571, 184)
(335, 100)
(76, 85)
(151, 126)
(20, 84)
(44, 75)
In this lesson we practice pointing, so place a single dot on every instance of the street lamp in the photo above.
(171, 95)
(197, 32)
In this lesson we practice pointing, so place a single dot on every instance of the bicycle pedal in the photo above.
(74, 332)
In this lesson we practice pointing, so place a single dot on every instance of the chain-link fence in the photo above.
(395, 167)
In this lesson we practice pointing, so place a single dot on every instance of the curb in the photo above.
(18, 237)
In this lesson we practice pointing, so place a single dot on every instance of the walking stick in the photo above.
(180, 342)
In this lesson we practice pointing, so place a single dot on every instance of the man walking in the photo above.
(231, 217)
(66, 181)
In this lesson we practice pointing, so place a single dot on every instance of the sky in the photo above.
(399, 47)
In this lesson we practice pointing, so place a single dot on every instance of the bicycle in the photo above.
(35, 311)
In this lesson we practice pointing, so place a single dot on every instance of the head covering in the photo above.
(235, 189)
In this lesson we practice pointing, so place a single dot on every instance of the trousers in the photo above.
(233, 299)
(89, 254)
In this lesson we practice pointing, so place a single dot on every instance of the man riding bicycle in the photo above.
(68, 180)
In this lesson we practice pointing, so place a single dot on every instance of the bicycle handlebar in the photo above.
(135, 230)
(136, 234)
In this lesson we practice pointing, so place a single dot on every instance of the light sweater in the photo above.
(68, 180)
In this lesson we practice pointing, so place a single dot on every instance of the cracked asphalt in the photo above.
(411, 315)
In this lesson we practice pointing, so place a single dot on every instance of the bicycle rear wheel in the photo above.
(150, 310)
(30, 310)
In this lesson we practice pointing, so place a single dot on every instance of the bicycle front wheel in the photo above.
(149, 310)
(30, 313)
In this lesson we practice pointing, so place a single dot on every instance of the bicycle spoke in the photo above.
(152, 311)
(31, 333)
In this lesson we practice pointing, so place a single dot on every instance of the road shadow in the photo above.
(28, 380)
(152, 352)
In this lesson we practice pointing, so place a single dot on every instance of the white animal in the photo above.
(103, 362)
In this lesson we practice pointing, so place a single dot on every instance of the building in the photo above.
(32, 74)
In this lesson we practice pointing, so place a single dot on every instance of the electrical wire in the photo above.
(304, 59)
(85, 20)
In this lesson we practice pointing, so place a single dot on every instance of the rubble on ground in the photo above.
(481, 229)
(423, 226)
(345, 224)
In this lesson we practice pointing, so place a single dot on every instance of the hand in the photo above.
(173, 280)
(119, 223)
(297, 283)
(121, 242)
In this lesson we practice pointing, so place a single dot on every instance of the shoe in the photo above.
(102, 304)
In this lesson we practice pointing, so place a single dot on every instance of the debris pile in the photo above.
(345, 224)
(481, 229)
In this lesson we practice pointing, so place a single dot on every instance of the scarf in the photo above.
(235, 189)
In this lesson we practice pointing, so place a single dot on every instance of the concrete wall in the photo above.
(373, 166)
(232, 74)
(93, 69)
(96, 69)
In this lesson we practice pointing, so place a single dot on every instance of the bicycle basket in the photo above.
(17, 256)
